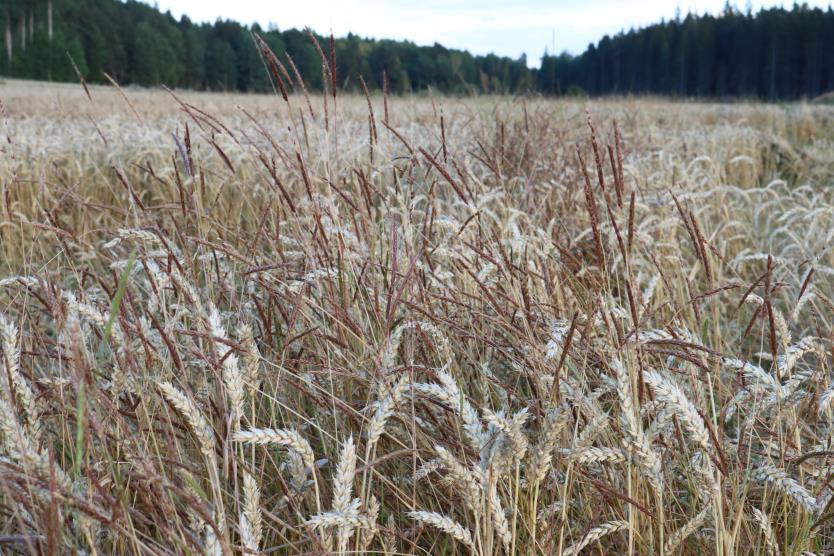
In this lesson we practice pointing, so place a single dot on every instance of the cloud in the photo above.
(480, 26)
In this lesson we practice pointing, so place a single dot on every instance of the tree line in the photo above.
(773, 54)
(136, 44)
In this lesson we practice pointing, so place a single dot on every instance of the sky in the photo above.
(504, 27)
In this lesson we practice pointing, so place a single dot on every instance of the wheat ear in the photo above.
(251, 359)
(445, 524)
(669, 392)
(770, 537)
(648, 459)
(779, 479)
(199, 426)
(343, 487)
(19, 387)
(676, 538)
(384, 410)
(286, 438)
(372, 510)
(594, 535)
(592, 455)
(232, 376)
(251, 514)
(499, 520)
(468, 480)
(205, 438)
(350, 519)
(21, 448)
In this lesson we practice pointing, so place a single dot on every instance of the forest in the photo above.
(772, 54)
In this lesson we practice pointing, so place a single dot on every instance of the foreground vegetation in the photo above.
(234, 324)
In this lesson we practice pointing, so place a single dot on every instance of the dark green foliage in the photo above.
(774, 54)
(136, 44)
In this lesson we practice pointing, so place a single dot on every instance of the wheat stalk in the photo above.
(593, 455)
(770, 537)
(348, 520)
(675, 539)
(825, 401)
(286, 438)
(343, 483)
(389, 539)
(458, 402)
(251, 514)
(100, 318)
(384, 410)
(232, 376)
(205, 439)
(369, 533)
(211, 544)
(511, 428)
(21, 448)
(19, 387)
(542, 457)
(445, 524)
(669, 392)
(778, 478)
(594, 535)
(648, 459)
(468, 480)
(196, 421)
(251, 358)
(496, 512)
(343, 487)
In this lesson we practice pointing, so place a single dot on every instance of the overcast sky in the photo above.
(505, 27)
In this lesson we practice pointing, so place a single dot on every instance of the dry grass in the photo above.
(230, 325)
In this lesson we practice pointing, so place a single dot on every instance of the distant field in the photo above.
(418, 325)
